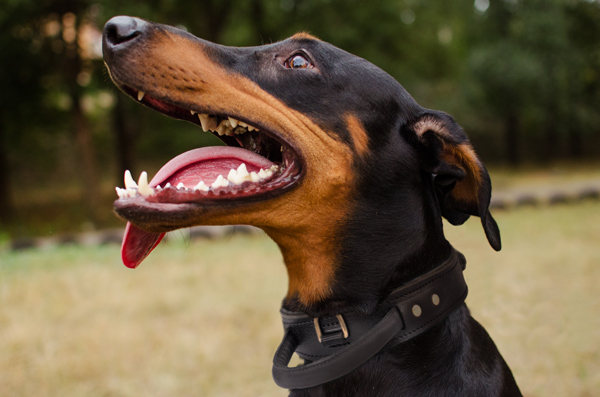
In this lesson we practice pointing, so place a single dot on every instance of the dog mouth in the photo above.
(256, 164)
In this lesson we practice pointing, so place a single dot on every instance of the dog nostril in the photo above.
(122, 29)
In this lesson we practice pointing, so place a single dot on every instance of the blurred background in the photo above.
(521, 76)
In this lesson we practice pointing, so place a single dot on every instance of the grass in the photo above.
(201, 318)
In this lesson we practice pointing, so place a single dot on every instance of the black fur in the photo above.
(394, 232)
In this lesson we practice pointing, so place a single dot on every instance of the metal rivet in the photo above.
(416, 310)
(435, 299)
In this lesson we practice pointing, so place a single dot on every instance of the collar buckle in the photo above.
(331, 333)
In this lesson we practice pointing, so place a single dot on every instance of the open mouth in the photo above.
(255, 164)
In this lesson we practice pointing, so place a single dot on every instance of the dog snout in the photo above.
(121, 31)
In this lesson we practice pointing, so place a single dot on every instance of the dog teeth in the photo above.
(239, 176)
(207, 122)
(235, 177)
(201, 186)
(220, 182)
(222, 128)
(129, 182)
(144, 189)
(140, 95)
(234, 123)
(229, 126)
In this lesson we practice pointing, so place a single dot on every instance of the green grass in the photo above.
(201, 318)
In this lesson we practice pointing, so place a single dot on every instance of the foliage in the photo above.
(535, 72)
(522, 77)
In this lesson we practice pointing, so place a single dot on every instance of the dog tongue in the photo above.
(137, 243)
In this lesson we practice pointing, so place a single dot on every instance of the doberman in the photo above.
(338, 164)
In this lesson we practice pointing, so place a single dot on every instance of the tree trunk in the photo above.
(124, 139)
(87, 154)
(511, 136)
(6, 207)
(575, 143)
(552, 142)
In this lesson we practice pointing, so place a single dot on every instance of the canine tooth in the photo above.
(140, 95)
(192, 112)
(220, 182)
(144, 188)
(234, 123)
(129, 182)
(203, 121)
(201, 186)
(208, 123)
(254, 177)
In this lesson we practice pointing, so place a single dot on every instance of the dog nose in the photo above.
(121, 30)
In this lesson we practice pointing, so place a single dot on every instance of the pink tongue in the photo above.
(137, 243)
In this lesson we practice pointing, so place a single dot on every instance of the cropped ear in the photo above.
(461, 182)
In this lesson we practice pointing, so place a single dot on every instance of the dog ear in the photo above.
(461, 182)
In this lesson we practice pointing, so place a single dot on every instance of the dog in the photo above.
(338, 164)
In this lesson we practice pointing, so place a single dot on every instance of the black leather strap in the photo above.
(409, 311)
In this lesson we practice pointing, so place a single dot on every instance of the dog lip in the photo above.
(187, 112)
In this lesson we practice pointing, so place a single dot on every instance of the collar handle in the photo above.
(413, 309)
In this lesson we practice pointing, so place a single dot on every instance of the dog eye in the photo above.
(298, 62)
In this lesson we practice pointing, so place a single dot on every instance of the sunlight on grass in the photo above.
(201, 318)
(538, 297)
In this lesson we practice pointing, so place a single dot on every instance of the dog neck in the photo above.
(375, 251)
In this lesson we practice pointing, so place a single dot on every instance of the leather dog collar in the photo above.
(335, 346)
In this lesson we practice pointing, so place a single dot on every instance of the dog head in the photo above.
(322, 149)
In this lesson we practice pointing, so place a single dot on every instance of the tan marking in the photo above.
(304, 36)
(358, 134)
(305, 221)
(464, 157)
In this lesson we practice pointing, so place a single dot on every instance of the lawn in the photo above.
(201, 318)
